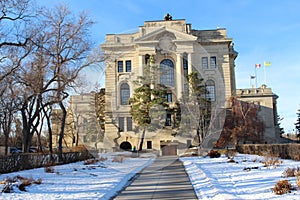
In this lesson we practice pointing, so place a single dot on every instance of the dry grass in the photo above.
(282, 187)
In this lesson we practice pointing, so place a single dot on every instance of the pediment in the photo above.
(163, 32)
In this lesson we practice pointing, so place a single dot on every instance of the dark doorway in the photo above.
(126, 146)
(168, 150)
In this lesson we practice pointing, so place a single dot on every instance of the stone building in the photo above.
(178, 50)
(84, 122)
(266, 99)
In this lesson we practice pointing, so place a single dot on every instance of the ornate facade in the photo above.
(178, 50)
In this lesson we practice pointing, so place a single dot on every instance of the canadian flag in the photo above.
(257, 65)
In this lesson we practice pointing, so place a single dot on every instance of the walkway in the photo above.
(164, 179)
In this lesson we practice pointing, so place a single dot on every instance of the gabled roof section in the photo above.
(155, 35)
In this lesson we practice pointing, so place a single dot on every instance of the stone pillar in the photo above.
(179, 76)
(190, 64)
(141, 65)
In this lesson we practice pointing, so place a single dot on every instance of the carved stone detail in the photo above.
(166, 45)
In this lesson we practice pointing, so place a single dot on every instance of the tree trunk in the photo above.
(77, 138)
(6, 143)
(62, 128)
(142, 139)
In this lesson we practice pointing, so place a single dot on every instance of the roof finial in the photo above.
(168, 17)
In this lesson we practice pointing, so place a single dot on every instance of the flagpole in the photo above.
(255, 77)
(265, 75)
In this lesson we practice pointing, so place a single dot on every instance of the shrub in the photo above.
(91, 161)
(282, 187)
(291, 172)
(49, 169)
(8, 187)
(214, 154)
(271, 160)
(297, 174)
(231, 153)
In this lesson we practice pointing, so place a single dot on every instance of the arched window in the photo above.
(124, 94)
(167, 72)
(210, 90)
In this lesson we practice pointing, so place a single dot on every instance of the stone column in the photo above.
(190, 64)
(179, 76)
(141, 65)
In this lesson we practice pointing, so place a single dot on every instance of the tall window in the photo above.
(120, 66)
(210, 90)
(169, 97)
(167, 72)
(185, 73)
(124, 94)
(128, 65)
(204, 63)
(149, 144)
(129, 123)
(121, 124)
(168, 120)
(147, 57)
(213, 62)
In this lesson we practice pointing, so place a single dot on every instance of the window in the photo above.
(129, 123)
(121, 124)
(120, 66)
(168, 120)
(128, 65)
(169, 97)
(213, 62)
(149, 144)
(124, 94)
(84, 138)
(167, 72)
(147, 57)
(189, 143)
(85, 123)
(185, 62)
(210, 90)
(204, 63)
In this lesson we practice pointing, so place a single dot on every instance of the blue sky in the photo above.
(262, 30)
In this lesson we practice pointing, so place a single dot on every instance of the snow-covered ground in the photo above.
(215, 178)
(212, 178)
(78, 181)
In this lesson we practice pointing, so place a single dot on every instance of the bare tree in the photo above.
(8, 108)
(241, 124)
(14, 16)
(68, 47)
(44, 55)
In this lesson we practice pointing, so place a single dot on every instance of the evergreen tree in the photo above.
(281, 130)
(195, 109)
(148, 103)
(297, 124)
